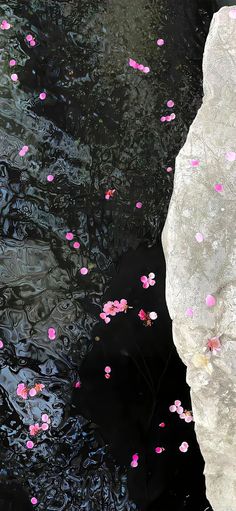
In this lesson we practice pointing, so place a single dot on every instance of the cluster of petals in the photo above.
(109, 194)
(148, 281)
(140, 67)
(107, 372)
(184, 447)
(168, 118)
(214, 345)
(183, 414)
(112, 308)
(147, 317)
(23, 150)
(31, 40)
(24, 391)
(35, 428)
(5, 25)
(134, 462)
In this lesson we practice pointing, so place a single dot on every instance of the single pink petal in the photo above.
(199, 237)
(182, 415)
(42, 96)
(34, 501)
(170, 103)
(146, 69)
(153, 315)
(107, 320)
(69, 236)
(151, 275)
(107, 376)
(132, 63)
(14, 77)
(160, 42)
(177, 402)
(219, 187)
(140, 67)
(44, 426)
(152, 282)
(146, 285)
(180, 409)
(168, 118)
(169, 169)
(159, 450)
(84, 271)
(172, 408)
(162, 425)
(210, 301)
(232, 14)
(12, 62)
(172, 116)
(29, 38)
(188, 418)
(144, 278)
(51, 333)
(45, 417)
(135, 457)
(107, 369)
(33, 42)
(29, 444)
(139, 205)
(189, 312)
(1, 344)
(50, 178)
(183, 448)
(134, 463)
(32, 392)
(163, 118)
(77, 384)
(76, 244)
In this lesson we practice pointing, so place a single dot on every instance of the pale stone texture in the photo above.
(198, 268)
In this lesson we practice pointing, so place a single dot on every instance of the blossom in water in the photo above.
(51, 333)
(22, 390)
(109, 194)
(112, 308)
(214, 345)
(29, 444)
(195, 163)
(105, 318)
(14, 77)
(34, 501)
(12, 62)
(76, 244)
(42, 96)
(39, 387)
(84, 271)
(50, 178)
(170, 103)
(148, 281)
(140, 67)
(147, 317)
(34, 429)
(138, 205)
(160, 42)
(5, 25)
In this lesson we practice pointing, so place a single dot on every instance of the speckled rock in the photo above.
(199, 245)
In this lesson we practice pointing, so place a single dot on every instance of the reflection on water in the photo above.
(98, 129)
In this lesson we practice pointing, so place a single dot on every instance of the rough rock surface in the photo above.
(199, 245)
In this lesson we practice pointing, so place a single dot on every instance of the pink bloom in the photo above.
(160, 42)
(39, 387)
(12, 62)
(135, 457)
(1, 344)
(134, 463)
(107, 369)
(110, 308)
(45, 417)
(44, 426)
(34, 429)
(172, 408)
(148, 281)
(34, 501)
(162, 425)
(42, 96)
(142, 314)
(76, 244)
(138, 205)
(214, 345)
(170, 103)
(50, 178)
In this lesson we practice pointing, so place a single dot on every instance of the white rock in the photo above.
(196, 270)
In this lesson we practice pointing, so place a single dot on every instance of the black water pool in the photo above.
(98, 129)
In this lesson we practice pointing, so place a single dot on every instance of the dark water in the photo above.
(98, 129)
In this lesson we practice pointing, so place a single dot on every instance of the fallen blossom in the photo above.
(147, 317)
(109, 194)
(148, 281)
(214, 345)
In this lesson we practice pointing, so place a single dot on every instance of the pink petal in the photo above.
(107, 369)
(29, 444)
(153, 315)
(34, 501)
(44, 426)
(188, 418)
(42, 96)
(50, 178)
(51, 333)
(180, 410)
(139, 205)
(195, 163)
(69, 236)
(135, 457)
(189, 312)
(32, 392)
(199, 237)
(158, 450)
(144, 279)
(172, 408)
(84, 271)
(160, 42)
(12, 62)
(45, 417)
(177, 402)
(219, 187)
(169, 169)
(134, 463)
(14, 77)
(76, 244)
(170, 103)
(1, 344)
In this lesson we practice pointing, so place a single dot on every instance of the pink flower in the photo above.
(170, 103)
(34, 429)
(160, 42)
(34, 501)
(143, 315)
(32, 392)
(22, 391)
(109, 194)
(12, 62)
(42, 96)
(148, 281)
(110, 308)
(134, 463)
(29, 444)
(147, 317)
(214, 345)
(219, 187)
(14, 77)
(51, 333)
(123, 306)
